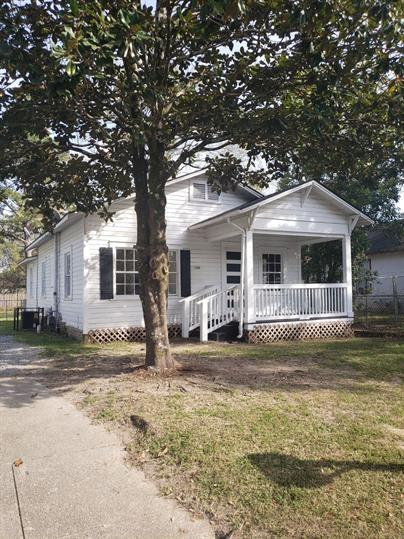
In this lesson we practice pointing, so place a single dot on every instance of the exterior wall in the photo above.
(72, 239)
(71, 310)
(290, 250)
(386, 265)
(46, 256)
(181, 213)
(288, 247)
(318, 215)
(31, 272)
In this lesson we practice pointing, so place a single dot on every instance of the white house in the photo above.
(386, 260)
(223, 248)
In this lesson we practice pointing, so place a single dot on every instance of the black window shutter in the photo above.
(185, 273)
(106, 273)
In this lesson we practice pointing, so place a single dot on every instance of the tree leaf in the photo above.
(74, 7)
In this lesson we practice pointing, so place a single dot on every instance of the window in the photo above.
(31, 282)
(202, 191)
(233, 267)
(271, 269)
(126, 276)
(172, 273)
(68, 275)
(43, 279)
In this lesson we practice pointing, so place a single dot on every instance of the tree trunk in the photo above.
(152, 260)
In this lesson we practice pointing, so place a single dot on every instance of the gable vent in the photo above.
(198, 191)
(212, 195)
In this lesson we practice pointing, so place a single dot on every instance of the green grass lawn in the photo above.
(53, 345)
(283, 440)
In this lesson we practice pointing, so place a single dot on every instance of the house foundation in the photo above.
(130, 334)
(299, 330)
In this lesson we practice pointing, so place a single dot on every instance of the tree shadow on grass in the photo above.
(290, 471)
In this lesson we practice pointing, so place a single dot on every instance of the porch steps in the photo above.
(227, 333)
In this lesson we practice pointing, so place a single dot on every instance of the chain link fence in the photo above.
(379, 305)
(8, 302)
(380, 312)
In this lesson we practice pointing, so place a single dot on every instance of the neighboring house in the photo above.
(386, 260)
(222, 248)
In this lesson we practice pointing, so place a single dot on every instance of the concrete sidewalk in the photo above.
(73, 481)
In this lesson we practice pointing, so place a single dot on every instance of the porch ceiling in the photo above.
(231, 234)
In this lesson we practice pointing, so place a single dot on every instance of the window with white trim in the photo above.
(126, 276)
(172, 273)
(43, 278)
(271, 268)
(68, 275)
(203, 192)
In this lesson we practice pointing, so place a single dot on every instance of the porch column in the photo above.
(249, 278)
(347, 272)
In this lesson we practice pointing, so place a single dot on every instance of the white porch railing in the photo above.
(282, 301)
(218, 310)
(212, 308)
(191, 310)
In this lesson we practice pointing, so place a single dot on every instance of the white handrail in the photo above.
(302, 285)
(198, 294)
(218, 310)
(191, 311)
(300, 301)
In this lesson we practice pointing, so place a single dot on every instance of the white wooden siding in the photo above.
(386, 265)
(71, 310)
(317, 215)
(288, 247)
(46, 255)
(181, 212)
(72, 239)
(31, 298)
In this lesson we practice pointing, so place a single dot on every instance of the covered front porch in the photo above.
(260, 281)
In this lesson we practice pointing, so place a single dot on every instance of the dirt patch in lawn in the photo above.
(286, 440)
(214, 368)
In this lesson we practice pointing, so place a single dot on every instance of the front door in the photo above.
(232, 266)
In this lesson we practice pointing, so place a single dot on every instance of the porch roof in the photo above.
(247, 207)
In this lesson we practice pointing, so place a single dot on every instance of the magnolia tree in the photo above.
(104, 98)
(19, 225)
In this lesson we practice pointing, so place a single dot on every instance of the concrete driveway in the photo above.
(73, 480)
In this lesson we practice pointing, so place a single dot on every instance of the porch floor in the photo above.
(301, 319)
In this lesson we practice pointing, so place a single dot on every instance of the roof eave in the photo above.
(40, 240)
(67, 220)
(27, 260)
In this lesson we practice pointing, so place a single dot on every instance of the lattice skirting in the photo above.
(132, 334)
(302, 330)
